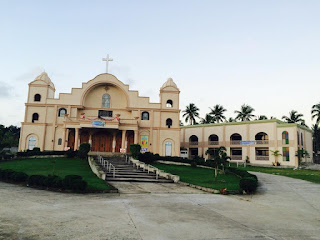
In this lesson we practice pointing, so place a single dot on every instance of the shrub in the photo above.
(38, 180)
(83, 150)
(249, 185)
(135, 150)
(78, 185)
(20, 177)
(7, 174)
(67, 181)
(54, 181)
(71, 154)
(147, 157)
(32, 153)
(194, 164)
(36, 149)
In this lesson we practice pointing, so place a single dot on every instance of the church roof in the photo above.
(169, 83)
(45, 78)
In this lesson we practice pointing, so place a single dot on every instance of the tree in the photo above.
(315, 113)
(219, 158)
(316, 137)
(302, 153)
(207, 119)
(217, 112)
(191, 113)
(276, 154)
(294, 117)
(231, 119)
(262, 117)
(245, 113)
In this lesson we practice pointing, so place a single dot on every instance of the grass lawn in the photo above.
(304, 174)
(201, 176)
(63, 167)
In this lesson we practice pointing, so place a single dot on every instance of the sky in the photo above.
(262, 53)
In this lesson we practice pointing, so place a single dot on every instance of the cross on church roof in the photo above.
(107, 61)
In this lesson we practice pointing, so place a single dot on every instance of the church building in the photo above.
(104, 113)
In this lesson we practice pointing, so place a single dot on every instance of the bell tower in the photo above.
(41, 89)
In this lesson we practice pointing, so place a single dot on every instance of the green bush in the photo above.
(78, 185)
(147, 157)
(32, 153)
(249, 185)
(194, 164)
(36, 149)
(241, 173)
(71, 154)
(7, 174)
(135, 150)
(38, 180)
(83, 150)
(20, 177)
(69, 179)
(54, 181)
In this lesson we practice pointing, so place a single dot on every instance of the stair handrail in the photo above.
(114, 169)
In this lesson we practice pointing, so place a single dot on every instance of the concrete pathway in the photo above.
(284, 208)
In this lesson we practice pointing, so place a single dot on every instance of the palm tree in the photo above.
(262, 117)
(316, 137)
(276, 154)
(207, 119)
(220, 158)
(217, 113)
(191, 113)
(294, 117)
(245, 114)
(315, 112)
(231, 120)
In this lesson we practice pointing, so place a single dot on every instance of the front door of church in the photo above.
(102, 142)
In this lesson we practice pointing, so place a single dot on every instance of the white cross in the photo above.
(107, 61)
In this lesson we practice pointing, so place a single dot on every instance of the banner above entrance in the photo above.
(97, 123)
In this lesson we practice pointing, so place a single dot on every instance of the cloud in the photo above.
(5, 90)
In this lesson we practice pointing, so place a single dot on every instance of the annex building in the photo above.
(252, 140)
(104, 113)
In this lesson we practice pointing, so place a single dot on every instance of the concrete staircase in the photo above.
(126, 172)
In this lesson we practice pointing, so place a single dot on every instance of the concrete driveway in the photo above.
(283, 208)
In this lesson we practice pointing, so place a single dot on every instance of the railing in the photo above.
(262, 141)
(236, 157)
(107, 165)
(194, 143)
(213, 142)
(263, 158)
(235, 142)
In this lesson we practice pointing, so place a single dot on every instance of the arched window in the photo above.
(169, 122)
(60, 141)
(169, 103)
(37, 97)
(35, 117)
(168, 148)
(213, 139)
(62, 112)
(144, 116)
(235, 139)
(285, 137)
(193, 140)
(32, 142)
(106, 100)
(262, 138)
(301, 139)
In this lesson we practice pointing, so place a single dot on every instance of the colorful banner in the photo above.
(97, 123)
(248, 142)
(144, 143)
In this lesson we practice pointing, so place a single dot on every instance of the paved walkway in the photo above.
(283, 208)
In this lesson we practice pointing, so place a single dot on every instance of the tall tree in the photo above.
(315, 113)
(245, 113)
(219, 158)
(191, 113)
(217, 112)
(294, 117)
(316, 138)
(207, 119)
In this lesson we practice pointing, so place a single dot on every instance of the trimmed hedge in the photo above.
(70, 182)
(38, 153)
(248, 181)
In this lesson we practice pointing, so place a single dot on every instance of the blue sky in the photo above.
(262, 53)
